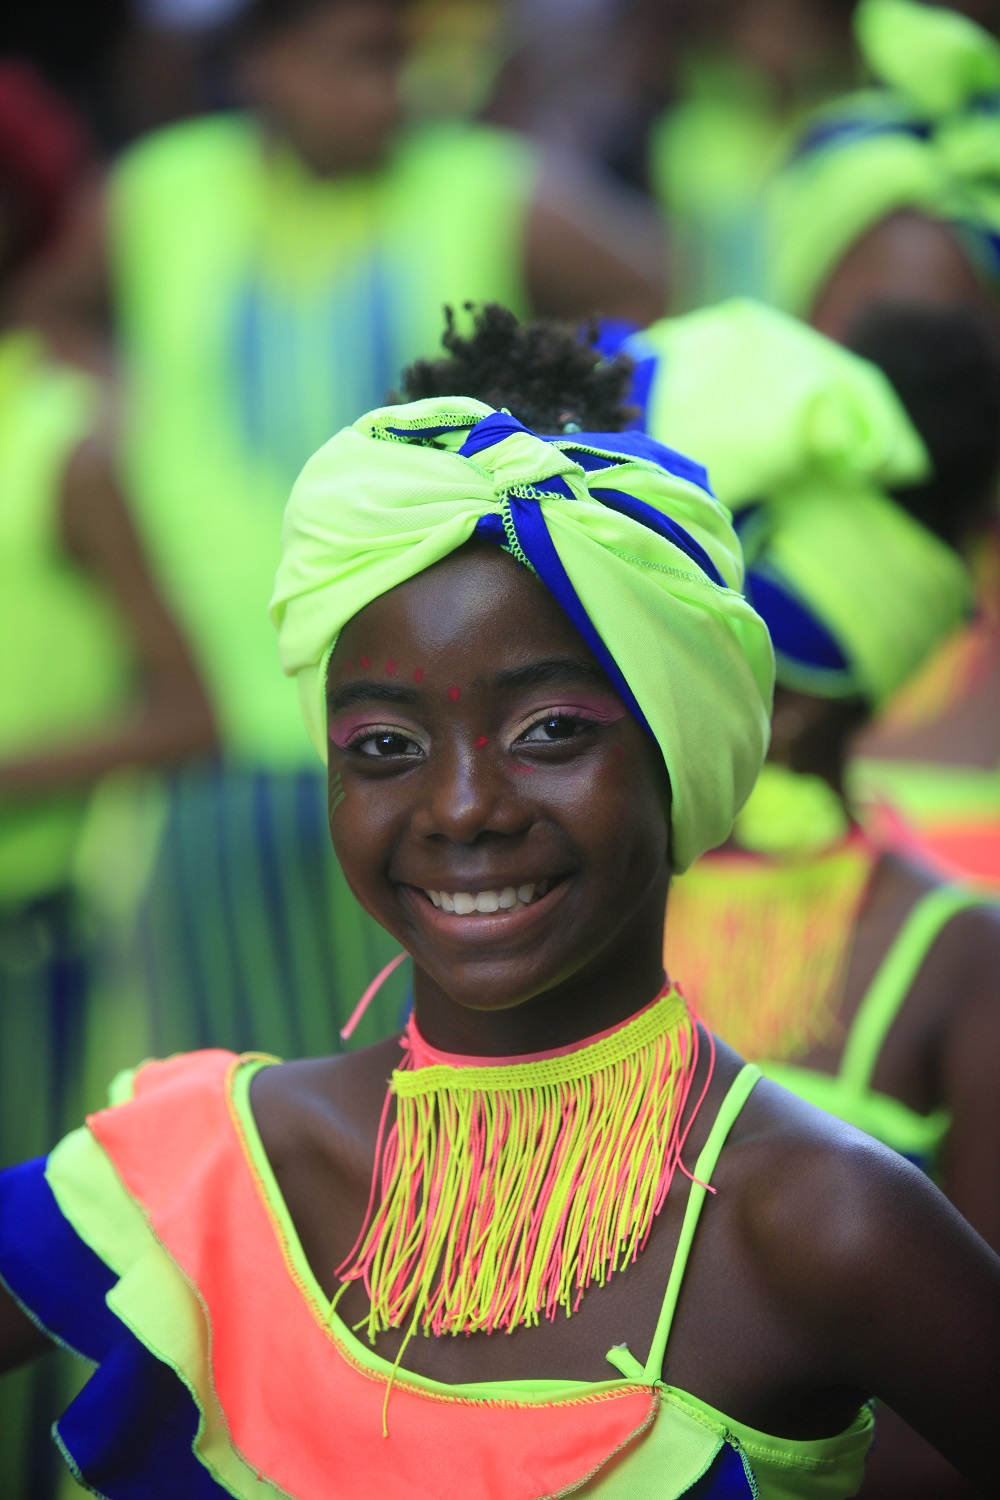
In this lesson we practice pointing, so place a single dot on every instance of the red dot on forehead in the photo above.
(364, 662)
(390, 668)
(454, 693)
(481, 742)
(418, 675)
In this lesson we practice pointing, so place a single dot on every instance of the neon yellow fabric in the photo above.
(64, 660)
(795, 404)
(791, 815)
(922, 144)
(786, 927)
(849, 1093)
(813, 431)
(261, 309)
(710, 155)
(885, 587)
(370, 511)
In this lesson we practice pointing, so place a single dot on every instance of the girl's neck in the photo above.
(592, 1001)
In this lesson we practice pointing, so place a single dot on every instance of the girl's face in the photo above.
(492, 801)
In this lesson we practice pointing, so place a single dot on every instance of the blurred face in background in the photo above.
(327, 82)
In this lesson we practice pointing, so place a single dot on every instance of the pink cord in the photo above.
(347, 1030)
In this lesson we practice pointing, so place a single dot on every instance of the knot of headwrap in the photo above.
(927, 141)
(624, 533)
(801, 435)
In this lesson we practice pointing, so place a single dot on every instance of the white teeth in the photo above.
(511, 898)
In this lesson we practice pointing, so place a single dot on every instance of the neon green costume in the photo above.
(928, 142)
(64, 666)
(710, 155)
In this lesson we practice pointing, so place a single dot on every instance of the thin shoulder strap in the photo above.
(739, 1092)
(894, 978)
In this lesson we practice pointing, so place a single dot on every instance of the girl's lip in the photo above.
(482, 927)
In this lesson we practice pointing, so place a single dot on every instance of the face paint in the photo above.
(365, 663)
(390, 668)
(418, 675)
(482, 742)
(335, 795)
(347, 668)
(454, 693)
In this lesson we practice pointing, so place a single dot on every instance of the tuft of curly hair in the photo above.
(546, 375)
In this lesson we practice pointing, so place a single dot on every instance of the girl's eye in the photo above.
(386, 744)
(553, 728)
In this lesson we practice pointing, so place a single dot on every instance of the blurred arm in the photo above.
(171, 717)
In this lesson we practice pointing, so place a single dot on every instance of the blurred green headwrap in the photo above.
(929, 140)
(624, 534)
(800, 436)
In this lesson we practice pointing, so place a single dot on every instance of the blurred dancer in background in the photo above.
(750, 72)
(94, 675)
(892, 196)
(868, 986)
(273, 271)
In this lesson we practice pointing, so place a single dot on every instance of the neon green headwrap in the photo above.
(762, 401)
(642, 558)
(925, 142)
(856, 593)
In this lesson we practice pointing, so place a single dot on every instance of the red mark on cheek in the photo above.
(522, 770)
(482, 742)
(390, 668)
(364, 662)
(454, 693)
(418, 675)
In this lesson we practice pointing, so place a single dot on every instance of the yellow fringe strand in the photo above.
(502, 1191)
(760, 946)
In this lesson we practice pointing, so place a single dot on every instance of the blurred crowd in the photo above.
(225, 228)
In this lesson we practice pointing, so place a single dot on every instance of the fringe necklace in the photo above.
(762, 945)
(506, 1186)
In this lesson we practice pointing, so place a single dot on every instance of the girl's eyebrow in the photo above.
(564, 669)
(349, 694)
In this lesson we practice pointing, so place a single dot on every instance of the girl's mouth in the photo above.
(485, 916)
(508, 898)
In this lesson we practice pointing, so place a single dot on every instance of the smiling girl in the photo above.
(540, 692)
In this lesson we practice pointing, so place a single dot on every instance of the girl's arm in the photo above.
(899, 1296)
(20, 1338)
